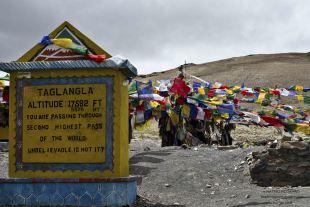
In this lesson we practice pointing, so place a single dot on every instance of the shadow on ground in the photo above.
(145, 157)
(143, 202)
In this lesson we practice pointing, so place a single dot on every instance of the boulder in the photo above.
(286, 165)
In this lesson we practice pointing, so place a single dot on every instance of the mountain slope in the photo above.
(283, 69)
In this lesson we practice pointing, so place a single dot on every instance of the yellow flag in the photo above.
(216, 100)
(300, 97)
(62, 42)
(186, 110)
(235, 88)
(156, 112)
(219, 102)
(174, 118)
(154, 104)
(230, 92)
(225, 116)
(141, 127)
(201, 91)
(303, 128)
(218, 119)
(260, 98)
(299, 88)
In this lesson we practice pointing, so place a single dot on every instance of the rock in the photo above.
(247, 196)
(195, 148)
(286, 137)
(185, 146)
(147, 149)
(245, 145)
(233, 196)
(212, 192)
(167, 185)
(297, 138)
(208, 186)
(203, 146)
(294, 145)
(261, 143)
(286, 165)
(238, 143)
(228, 147)
(273, 144)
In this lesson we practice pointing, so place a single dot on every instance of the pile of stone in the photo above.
(288, 164)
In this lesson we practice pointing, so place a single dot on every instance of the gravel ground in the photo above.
(200, 176)
(203, 176)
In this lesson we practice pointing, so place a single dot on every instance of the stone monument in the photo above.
(68, 126)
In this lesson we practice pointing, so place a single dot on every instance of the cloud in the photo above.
(161, 34)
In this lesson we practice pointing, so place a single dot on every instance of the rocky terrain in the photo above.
(203, 176)
(199, 176)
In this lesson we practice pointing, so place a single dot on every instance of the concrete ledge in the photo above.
(68, 192)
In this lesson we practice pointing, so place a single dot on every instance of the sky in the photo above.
(157, 35)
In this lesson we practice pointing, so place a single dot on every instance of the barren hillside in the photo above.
(283, 69)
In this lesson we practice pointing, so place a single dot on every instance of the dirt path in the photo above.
(203, 177)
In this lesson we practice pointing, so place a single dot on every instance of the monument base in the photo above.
(68, 192)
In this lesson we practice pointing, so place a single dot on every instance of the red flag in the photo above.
(180, 87)
(224, 87)
(246, 93)
(208, 113)
(275, 92)
(180, 100)
(236, 100)
(97, 58)
(272, 121)
(211, 93)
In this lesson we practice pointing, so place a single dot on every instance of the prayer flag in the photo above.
(180, 87)
(260, 98)
(300, 97)
(272, 121)
(186, 110)
(200, 114)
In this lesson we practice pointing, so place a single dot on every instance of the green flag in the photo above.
(307, 99)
